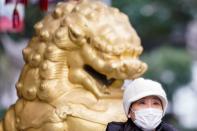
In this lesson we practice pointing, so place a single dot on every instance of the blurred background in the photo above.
(168, 31)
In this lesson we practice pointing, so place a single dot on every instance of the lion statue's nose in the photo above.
(126, 69)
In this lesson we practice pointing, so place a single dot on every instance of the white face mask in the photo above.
(148, 119)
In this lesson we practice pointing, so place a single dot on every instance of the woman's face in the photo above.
(146, 102)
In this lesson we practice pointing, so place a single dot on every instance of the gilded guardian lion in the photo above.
(75, 65)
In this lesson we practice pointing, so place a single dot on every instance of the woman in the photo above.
(145, 104)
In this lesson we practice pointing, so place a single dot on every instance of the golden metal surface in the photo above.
(74, 69)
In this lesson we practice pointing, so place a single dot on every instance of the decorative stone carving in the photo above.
(74, 68)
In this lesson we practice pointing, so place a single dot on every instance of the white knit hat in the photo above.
(140, 88)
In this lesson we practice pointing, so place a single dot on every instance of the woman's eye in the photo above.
(156, 103)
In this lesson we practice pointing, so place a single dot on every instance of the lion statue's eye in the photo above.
(73, 34)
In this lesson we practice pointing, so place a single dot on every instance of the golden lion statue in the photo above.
(74, 68)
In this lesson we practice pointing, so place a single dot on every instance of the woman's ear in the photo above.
(129, 116)
(130, 113)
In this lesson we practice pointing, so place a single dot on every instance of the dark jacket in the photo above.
(130, 126)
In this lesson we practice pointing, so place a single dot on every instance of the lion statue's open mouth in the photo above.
(75, 67)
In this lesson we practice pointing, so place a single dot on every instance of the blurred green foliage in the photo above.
(169, 65)
(159, 21)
